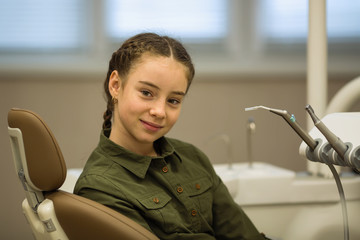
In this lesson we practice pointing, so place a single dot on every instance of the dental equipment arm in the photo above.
(290, 119)
(335, 142)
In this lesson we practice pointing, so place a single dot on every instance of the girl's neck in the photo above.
(145, 149)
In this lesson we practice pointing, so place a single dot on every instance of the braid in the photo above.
(109, 106)
(107, 119)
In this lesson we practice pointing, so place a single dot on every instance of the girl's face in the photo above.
(149, 102)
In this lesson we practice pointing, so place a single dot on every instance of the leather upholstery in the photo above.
(82, 218)
(45, 162)
(79, 218)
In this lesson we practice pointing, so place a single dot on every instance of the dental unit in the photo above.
(327, 147)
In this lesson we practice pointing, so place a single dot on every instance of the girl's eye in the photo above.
(174, 101)
(146, 93)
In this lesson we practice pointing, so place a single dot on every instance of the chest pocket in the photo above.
(158, 209)
(162, 210)
(155, 200)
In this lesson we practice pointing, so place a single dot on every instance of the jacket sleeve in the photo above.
(97, 189)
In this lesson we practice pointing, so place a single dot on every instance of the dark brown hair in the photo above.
(129, 54)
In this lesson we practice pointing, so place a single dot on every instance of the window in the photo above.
(40, 25)
(343, 19)
(221, 35)
(200, 20)
(283, 20)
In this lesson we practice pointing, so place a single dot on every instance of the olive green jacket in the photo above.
(176, 195)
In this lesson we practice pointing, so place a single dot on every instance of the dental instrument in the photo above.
(336, 143)
(291, 120)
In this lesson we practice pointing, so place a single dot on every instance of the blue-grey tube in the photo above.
(342, 201)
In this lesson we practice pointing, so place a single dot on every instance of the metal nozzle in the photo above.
(311, 112)
(256, 108)
(276, 111)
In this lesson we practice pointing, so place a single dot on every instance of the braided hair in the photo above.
(129, 54)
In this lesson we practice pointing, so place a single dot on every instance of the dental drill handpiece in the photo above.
(336, 143)
(290, 119)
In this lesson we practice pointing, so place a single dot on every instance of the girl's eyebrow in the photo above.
(149, 84)
(154, 86)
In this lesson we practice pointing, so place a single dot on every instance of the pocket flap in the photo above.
(198, 186)
(155, 200)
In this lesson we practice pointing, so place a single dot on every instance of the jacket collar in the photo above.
(135, 163)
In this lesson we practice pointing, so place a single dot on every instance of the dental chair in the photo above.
(52, 213)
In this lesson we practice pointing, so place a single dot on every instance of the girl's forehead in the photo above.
(160, 70)
(148, 57)
(154, 62)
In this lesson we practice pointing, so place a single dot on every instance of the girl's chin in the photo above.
(149, 139)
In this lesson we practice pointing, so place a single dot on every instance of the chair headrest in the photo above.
(45, 162)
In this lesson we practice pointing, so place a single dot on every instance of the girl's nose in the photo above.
(158, 109)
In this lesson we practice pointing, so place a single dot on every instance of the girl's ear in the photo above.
(114, 84)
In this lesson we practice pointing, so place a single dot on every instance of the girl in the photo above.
(165, 185)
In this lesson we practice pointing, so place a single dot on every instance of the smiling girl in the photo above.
(166, 185)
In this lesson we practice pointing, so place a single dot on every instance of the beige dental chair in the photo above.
(52, 213)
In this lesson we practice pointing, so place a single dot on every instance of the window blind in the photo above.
(187, 19)
(283, 20)
(40, 24)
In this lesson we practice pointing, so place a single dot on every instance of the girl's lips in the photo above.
(151, 126)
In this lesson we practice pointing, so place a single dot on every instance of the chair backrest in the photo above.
(52, 213)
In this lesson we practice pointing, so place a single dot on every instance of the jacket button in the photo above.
(165, 169)
(179, 189)
(197, 186)
(193, 213)
(156, 200)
